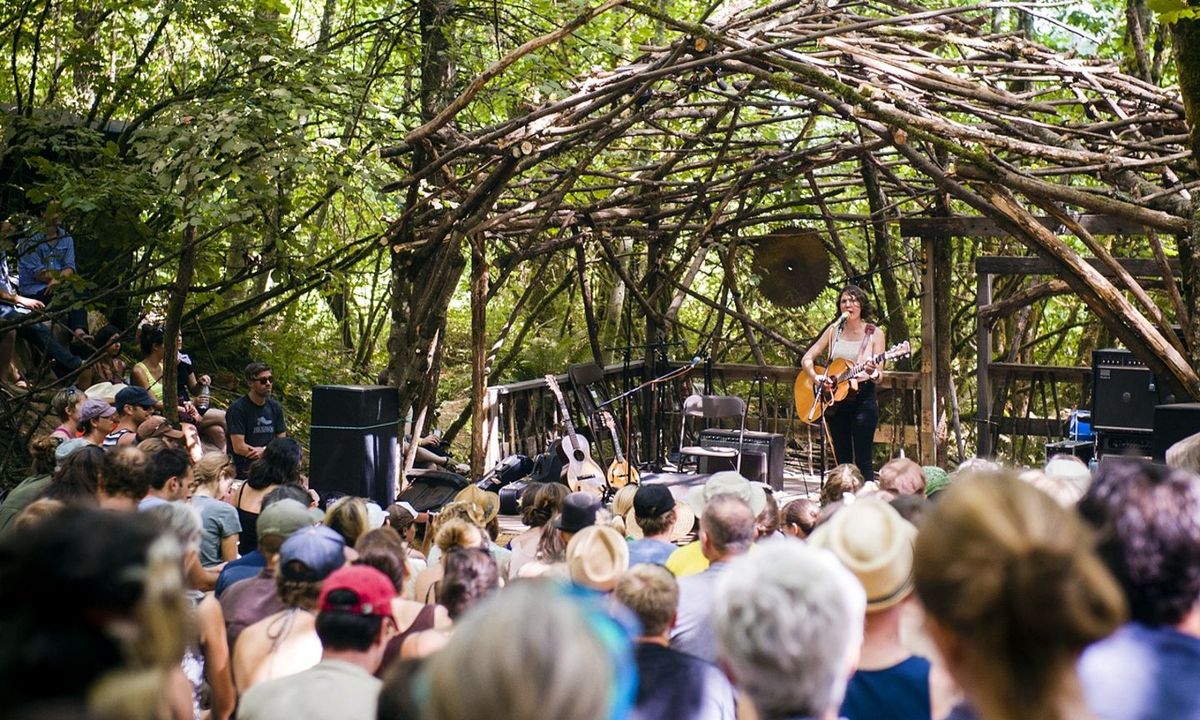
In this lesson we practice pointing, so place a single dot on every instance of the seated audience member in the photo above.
(157, 427)
(621, 506)
(936, 480)
(348, 518)
(799, 518)
(655, 522)
(109, 367)
(96, 420)
(671, 685)
(286, 642)
(254, 598)
(47, 266)
(75, 478)
(134, 406)
(65, 406)
(37, 512)
(279, 463)
(254, 419)
(901, 476)
(383, 550)
(875, 543)
(353, 624)
(218, 520)
(170, 478)
(251, 563)
(727, 530)
(471, 574)
(597, 557)
(1070, 469)
(842, 480)
(453, 534)
(124, 479)
(41, 469)
(573, 663)
(539, 503)
(205, 661)
(690, 559)
(487, 510)
(1013, 593)
(579, 510)
(1064, 490)
(912, 508)
(788, 621)
(15, 307)
(1148, 520)
(767, 523)
(975, 465)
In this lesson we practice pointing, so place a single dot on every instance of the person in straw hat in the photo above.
(872, 540)
(656, 521)
(690, 559)
(597, 557)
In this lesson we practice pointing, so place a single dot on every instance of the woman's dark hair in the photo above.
(383, 550)
(287, 491)
(107, 335)
(346, 631)
(541, 501)
(860, 295)
(151, 335)
(76, 481)
(279, 464)
(470, 574)
(801, 513)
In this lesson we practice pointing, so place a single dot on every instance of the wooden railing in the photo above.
(523, 417)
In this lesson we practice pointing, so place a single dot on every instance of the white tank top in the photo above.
(846, 349)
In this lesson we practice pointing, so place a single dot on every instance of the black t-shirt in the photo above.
(258, 424)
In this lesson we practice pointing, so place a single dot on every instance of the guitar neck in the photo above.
(562, 406)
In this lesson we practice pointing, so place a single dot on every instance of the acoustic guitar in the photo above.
(620, 472)
(583, 474)
(812, 399)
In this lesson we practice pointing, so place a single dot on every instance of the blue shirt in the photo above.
(246, 566)
(1142, 673)
(899, 692)
(38, 254)
(654, 552)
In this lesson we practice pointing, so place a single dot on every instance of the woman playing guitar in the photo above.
(852, 421)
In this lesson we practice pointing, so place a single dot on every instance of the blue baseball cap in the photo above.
(311, 554)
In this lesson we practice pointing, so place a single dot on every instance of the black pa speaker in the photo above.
(1124, 391)
(355, 449)
(1173, 423)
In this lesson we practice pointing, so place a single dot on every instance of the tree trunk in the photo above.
(183, 281)
(479, 353)
(1185, 40)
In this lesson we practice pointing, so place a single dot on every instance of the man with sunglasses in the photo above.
(254, 419)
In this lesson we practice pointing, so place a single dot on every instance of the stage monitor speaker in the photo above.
(355, 449)
(762, 454)
(1124, 392)
(1123, 443)
(1173, 423)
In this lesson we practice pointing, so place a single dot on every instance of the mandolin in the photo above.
(620, 472)
(812, 400)
(583, 474)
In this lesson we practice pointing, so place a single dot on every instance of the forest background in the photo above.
(225, 166)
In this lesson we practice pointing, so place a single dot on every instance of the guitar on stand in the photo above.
(583, 474)
(813, 399)
(620, 472)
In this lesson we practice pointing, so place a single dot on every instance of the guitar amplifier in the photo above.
(1124, 443)
(762, 454)
(1124, 392)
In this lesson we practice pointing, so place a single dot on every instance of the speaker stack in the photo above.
(1124, 396)
(355, 447)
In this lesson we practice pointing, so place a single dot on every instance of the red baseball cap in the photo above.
(360, 590)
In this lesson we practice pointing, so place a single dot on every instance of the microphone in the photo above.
(696, 361)
(842, 318)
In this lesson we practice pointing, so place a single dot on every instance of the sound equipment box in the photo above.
(1082, 449)
(1125, 443)
(428, 489)
(1173, 423)
(1124, 391)
(355, 448)
(762, 455)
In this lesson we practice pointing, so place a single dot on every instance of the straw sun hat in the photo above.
(871, 539)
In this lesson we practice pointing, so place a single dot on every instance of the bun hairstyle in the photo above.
(471, 573)
(1010, 573)
(455, 534)
(542, 501)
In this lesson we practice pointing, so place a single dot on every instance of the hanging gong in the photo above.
(792, 266)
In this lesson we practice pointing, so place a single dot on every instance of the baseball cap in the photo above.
(652, 501)
(93, 408)
(284, 518)
(311, 554)
(357, 590)
(65, 448)
(158, 427)
(134, 395)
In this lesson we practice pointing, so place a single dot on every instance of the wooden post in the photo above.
(983, 384)
(927, 450)
(479, 355)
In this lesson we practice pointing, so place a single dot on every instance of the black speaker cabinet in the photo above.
(762, 454)
(1124, 392)
(355, 447)
(1173, 423)
(1082, 449)
(1124, 443)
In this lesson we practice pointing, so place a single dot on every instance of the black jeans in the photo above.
(852, 427)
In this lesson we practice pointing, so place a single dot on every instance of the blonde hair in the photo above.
(839, 481)
(348, 516)
(1002, 567)
(454, 534)
(211, 469)
(36, 513)
(652, 593)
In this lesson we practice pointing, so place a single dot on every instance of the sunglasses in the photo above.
(264, 381)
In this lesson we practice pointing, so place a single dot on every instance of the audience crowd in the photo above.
(144, 574)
